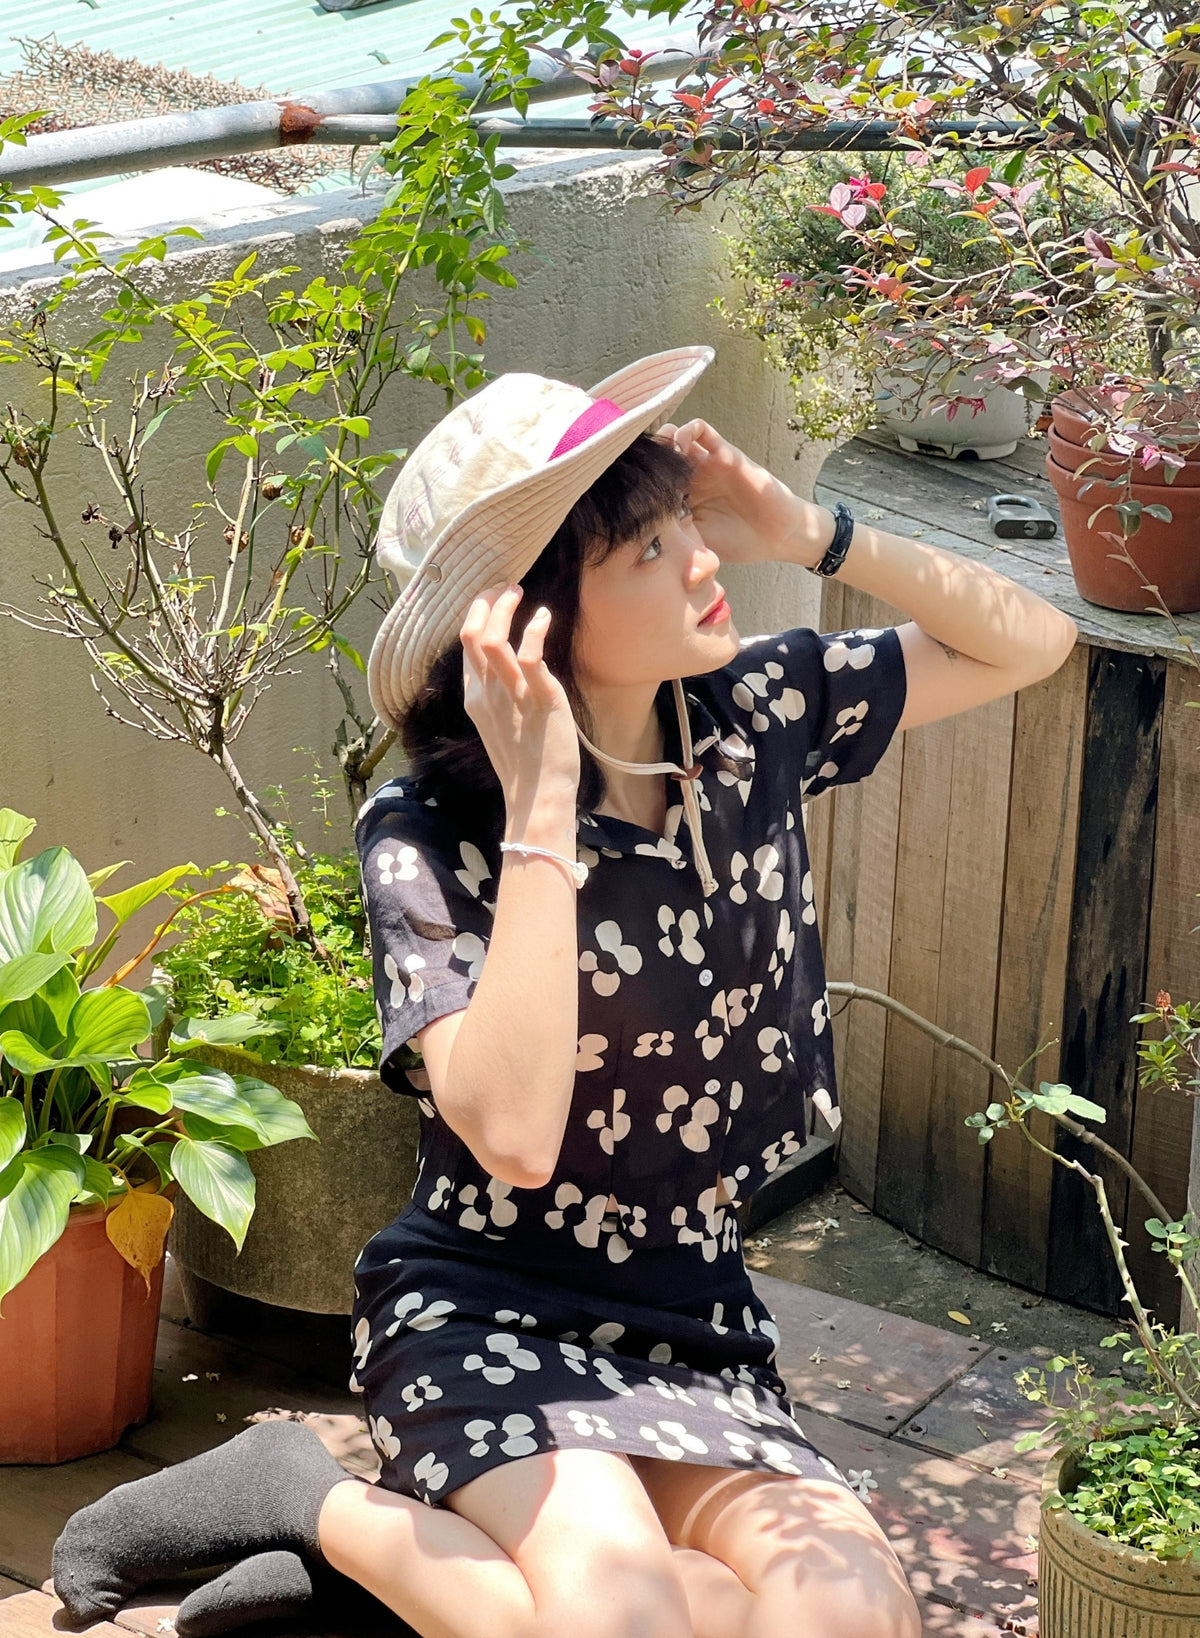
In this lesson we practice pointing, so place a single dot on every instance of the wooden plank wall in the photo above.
(949, 880)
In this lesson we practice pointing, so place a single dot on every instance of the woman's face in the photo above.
(641, 611)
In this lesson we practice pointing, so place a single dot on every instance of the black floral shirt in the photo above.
(704, 1036)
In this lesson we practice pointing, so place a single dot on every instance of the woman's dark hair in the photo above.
(643, 486)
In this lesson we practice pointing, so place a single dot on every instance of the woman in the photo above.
(591, 910)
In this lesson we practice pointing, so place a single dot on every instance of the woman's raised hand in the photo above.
(519, 707)
(742, 511)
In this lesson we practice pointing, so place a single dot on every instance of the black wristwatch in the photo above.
(843, 529)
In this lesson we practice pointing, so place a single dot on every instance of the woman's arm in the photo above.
(502, 1070)
(973, 635)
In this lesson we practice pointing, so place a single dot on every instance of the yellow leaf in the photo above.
(955, 1315)
(1010, 16)
(138, 1226)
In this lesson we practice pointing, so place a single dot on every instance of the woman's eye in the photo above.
(654, 546)
(685, 508)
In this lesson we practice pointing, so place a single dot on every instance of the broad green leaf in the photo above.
(145, 1091)
(231, 1030)
(97, 1180)
(20, 977)
(14, 828)
(218, 1181)
(24, 1053)
(157, 997)
(34, 1213)
(46, 904)
(277, 1119)
(123, 905)
(238, 1137)
(12, 1130)
(104, 1025)
(97, 878)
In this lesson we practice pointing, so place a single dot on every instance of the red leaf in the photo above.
(688, 101)
(977, 177)
(717, 86)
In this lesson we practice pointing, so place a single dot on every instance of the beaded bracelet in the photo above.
(576, 866)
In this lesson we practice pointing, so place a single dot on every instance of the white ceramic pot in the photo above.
(989, 433)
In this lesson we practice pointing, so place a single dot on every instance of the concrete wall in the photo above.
(616, 275)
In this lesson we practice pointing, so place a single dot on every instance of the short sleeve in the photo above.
(429, 897)
(834, 697)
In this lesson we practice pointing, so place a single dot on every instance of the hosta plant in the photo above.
(85, 1117)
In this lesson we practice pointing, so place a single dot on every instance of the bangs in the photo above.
(645, 484)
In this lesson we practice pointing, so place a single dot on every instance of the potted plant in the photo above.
(1057, 97)
(96, 1142)
(308, 1025)
(790, 254)
(202, 597)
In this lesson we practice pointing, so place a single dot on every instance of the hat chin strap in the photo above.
(686, 776)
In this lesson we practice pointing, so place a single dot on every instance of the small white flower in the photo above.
(469, 947)
(627, 957)
(672, 1440)
(809, 913)
(862, 1482)
(384, 1439)
(840, 654)
(407, 985)
(475, 868)
(611, 1134)
(400, 866)
(431, 1472)
(589, 1054)
(850, 720)
(517, 1429)
(680, 936)
(590, 1424)
(362, 1344)
(415, 1394)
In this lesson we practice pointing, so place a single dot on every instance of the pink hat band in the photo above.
(600, 413)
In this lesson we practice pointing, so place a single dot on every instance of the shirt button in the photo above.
(677, 864)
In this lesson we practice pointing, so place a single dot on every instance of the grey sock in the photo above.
(267, 1587)
(262, 1489)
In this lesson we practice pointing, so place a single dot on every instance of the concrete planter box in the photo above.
(317, 1204)
(1089, 1583)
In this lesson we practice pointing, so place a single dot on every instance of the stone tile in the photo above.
(961, 1535)
(35, 1503)
(231, 1384)
(8, 1586)
(30, 1614)
(941, 1621)
(893, 1365)
(979, 1417)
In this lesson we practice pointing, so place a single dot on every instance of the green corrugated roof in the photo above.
(286, 45)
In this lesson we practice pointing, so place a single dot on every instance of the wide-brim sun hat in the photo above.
(481, 496)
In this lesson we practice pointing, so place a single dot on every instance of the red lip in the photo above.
(714, 608)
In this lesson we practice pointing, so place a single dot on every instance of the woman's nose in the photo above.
(704, 565)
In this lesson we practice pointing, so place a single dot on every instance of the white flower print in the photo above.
(501, 1210)
(841, 654)
(770, 878)
(400, 866)
(589, 1424)
(672, 1440)
(809, 913)
(423, 1319)
(741, 1445)
(789, 707)
(823, 1102)
(740, 1402)
(478, 1430)
(779, 1457)
(611, 1135)
(609, 1377)
(469, 947)
(590, 1053)
(776, 1153)
(510, 1316)
(475, 868)
(432, 1473)
(591, 1223)
(606, 1336)
(710, 1038)
(718, 1315)
(660, 1354)
(574, 1357)
(514, 1356)
(679, 937)
(415, 1394)
(517, 1429)
(785, 943)
(362, 1344)
(771, 1042)
(625, 958)
(849, 720)
(670, 1390)
(827, 771)
(663, 848)
(384, 1440)
(744, 780)
(747, 692)
(441, 1193)
(717, 1228)
(654, 1042)
(407, 985)
(820, 1014)
(703, 1113)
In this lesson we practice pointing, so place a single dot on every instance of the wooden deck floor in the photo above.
(931, 1415)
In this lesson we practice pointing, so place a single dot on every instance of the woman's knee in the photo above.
(583, 1532)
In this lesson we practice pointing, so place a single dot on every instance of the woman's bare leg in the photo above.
(719, 1602)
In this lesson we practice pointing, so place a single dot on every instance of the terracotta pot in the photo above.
(1072, 456)
(77, 1341)
(1168, 554)
(1091, 1584)
(316, 1204)
(1074, 421)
